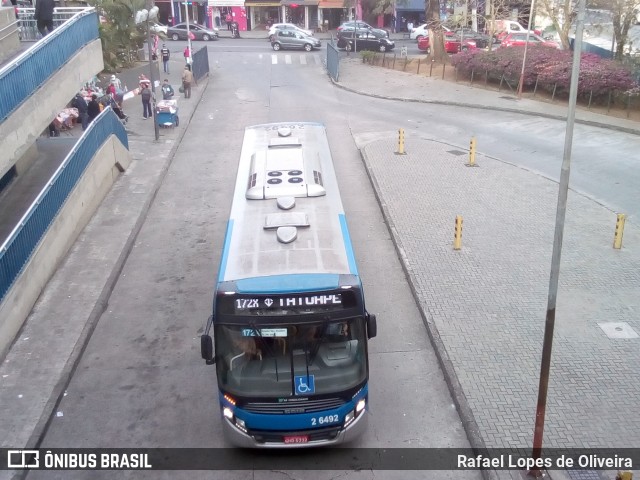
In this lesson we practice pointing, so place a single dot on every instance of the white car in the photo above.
(287, 26)
(157, 28)
(420, 31)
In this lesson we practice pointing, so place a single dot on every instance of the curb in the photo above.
(590, 123)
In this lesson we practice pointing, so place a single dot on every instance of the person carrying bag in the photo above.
(187, 79)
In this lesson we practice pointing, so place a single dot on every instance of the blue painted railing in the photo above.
(28, 72)
(17, 249)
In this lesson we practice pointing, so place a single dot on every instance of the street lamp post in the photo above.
(145, 16)
(186, 9)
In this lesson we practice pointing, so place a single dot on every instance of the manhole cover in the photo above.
(508, 98)
(618, 330)
(456, 152)
(584, 474)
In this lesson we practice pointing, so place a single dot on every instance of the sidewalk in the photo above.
(484, 306)
(32, 378)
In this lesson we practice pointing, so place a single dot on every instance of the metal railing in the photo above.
(26, 73)
(333, 61)
(17, 249)
(200, 63)
(27, 24)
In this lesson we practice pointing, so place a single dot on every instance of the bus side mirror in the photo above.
(372, 326)
(206, 349)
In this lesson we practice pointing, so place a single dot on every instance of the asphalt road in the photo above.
(141, 381)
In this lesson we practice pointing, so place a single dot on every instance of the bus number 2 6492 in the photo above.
(325, 420)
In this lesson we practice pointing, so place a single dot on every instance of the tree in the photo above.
(562, 14)
(436, 34)
(623, 16)
(120, 36)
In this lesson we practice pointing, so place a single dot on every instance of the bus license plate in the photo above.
(296, 439)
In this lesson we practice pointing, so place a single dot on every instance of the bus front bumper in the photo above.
(276, 439)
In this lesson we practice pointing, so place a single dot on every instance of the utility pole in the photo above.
(563, 189)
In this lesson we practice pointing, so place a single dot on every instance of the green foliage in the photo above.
(367, 56)
(121, 37)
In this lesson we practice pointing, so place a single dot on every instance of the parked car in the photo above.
(200, 32)
(520, 39)
(157, 28)
(364, 40)
(418, 32)
(287, 26)
(362, 26)
(283, 39)
(452, 44)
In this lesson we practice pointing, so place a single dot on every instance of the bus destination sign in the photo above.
(246, 305)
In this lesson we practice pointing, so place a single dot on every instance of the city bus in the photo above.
(290, 327)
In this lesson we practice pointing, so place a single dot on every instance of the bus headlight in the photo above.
(228, 413)
(360, 405)
(241, 425)
(349, 417)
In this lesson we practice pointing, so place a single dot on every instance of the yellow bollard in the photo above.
(472, 153)
(401, 142)
(457, 236)
(617, 237)
(626, 475)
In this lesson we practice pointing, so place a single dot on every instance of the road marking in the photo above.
(303, 59)
(274, 59)
(287, 59)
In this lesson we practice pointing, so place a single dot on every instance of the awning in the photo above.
(331, 4)
(249, 3)
(299, 3)
(226, 3)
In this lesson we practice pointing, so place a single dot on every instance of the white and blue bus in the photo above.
(290, 328)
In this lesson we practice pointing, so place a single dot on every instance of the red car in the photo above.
(520, 39)
(452, 44)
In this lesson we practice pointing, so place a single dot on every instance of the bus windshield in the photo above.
(258, 361)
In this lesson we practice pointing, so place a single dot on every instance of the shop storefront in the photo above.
(409, 12)
(303, 13)
(262, 14)
(331, 14)
(220, 9)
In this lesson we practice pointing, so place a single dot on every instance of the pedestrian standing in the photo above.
(187, 78)
(80, 104)
(167, 90)
(145, 95)
(93, 109)
(187, 55)
(165, 58)
(228, 19)
(44, 16)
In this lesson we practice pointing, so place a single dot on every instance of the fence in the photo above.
(26, 73)
(333, 61)
(17, 249)
(27, 24)
(201, 63)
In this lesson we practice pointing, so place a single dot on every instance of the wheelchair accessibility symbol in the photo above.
(305, 385)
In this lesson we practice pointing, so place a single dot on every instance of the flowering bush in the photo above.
(551, 68)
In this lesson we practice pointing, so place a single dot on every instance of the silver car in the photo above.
(282, 39)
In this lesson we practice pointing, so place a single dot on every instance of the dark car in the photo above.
(200, 32)
(361, 26)
(364, 40)
(283, 39)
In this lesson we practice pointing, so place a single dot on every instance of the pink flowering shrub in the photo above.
(550, 68)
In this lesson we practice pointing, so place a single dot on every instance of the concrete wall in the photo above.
(109, 161)
(23, 127)
(9, 39)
